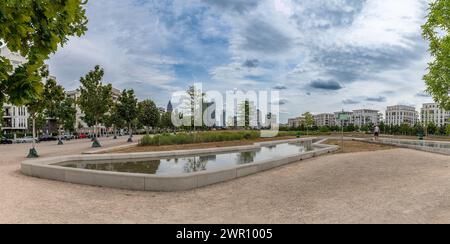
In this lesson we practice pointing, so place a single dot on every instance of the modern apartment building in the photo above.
(296, 122)
(80, 125)
(433, 113)
(14, 118)
(324, 120)
(364, 117)
(401, 114)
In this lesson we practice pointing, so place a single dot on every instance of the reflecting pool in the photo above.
(191, 164)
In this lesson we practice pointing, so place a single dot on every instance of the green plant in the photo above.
(200, 137)
(437, 31)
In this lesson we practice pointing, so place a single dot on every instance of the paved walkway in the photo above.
(394, 186)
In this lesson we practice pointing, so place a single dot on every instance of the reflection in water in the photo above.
(197, 164)
(149, 167)
(246, 157)
(191, 164)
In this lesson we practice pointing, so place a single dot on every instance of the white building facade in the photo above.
(401, 114)
(296, 122)
(433, 113)
(325, 119)
(15, 118)
(80, 125)
(366, 117)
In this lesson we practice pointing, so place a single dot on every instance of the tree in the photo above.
(53, 95)
(37, 105)
(113, 120)
(419, 130)
(166, 121)
(405, 129)
(149, 115)
(309, 121)
(39, 122)
(35, 29)
(95, 99)
(431, 128)
(382, 127)
(437, 32)
(66, 116)
(128, 110)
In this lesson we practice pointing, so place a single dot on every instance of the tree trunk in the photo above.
(59, 136)
(34, 132)
(96, 143)
(130, 139)
(33, 153)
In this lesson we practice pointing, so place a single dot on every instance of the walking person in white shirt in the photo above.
(377, 132)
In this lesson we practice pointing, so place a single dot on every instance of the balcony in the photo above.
(7, 123)
(7, 113)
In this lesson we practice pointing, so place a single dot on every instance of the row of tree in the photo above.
(404, 129)
(99, 108)
(52, 105)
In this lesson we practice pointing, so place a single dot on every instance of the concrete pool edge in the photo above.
(48, 169)
(395, 142)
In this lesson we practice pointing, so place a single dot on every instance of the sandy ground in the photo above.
(391, 186)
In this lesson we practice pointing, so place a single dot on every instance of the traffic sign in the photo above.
(343, 117)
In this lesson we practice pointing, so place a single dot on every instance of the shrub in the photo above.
(200, 137)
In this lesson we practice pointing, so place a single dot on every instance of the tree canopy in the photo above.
(53, 95)
(127, 106)
(66, 114)
(149, 115)
(95, 99)
(34, 29)
(309, 119)
(437, 32)
(38, 104)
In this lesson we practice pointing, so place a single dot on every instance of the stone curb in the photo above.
(48, 169)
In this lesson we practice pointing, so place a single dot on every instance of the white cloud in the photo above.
(156, 47)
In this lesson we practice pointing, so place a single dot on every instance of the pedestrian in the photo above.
(377, 132)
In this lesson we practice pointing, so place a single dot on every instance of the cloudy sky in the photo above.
(322, 55)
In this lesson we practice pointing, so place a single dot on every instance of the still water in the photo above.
(191, 164)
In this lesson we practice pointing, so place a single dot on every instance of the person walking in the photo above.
(377, 132)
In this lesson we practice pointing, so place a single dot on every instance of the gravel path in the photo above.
(393, 186)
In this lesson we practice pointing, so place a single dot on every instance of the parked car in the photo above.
(82, 136)
(6, 141)
(48, 138)
(67, 137)
(27, 139)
